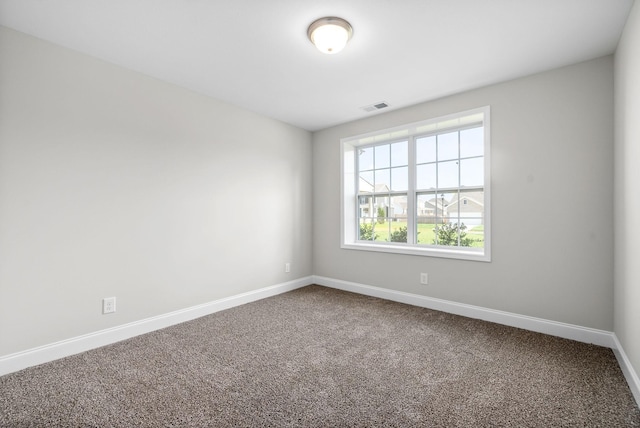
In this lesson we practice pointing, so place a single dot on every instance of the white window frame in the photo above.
(349, 180)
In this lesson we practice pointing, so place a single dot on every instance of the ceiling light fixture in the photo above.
(330, 34)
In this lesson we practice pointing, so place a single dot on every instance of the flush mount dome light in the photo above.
(330, 34)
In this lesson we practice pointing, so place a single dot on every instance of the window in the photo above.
(420, 189)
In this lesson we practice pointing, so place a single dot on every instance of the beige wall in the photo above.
(116, 184)
(552, 201)
(627, 189)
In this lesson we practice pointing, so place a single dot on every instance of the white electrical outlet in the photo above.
(424, 278)
(108, 305)
(287, 267)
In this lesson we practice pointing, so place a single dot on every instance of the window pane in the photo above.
(426, 218)
(365, 206)
(383, 180)
(451, 205)
(472, 142)
(441, 230)
(426, 205)
(447, 206)
(400, 179)
(366, 230)
(398, 208)
(426, 176)
(447, 174)
(398, 231)
(400, 153)
(453, 217)
(472, 172)
(448, 146)
(462, 219)
(381, 229)
(426, 149)
(381, 207)
(446, 234)
(382, 156)
(472, 216)
(472, 208)
(365, 159)
(366, 182)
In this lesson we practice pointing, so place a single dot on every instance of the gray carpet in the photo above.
(318, 357)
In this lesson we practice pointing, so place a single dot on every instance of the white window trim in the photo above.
(348, 203)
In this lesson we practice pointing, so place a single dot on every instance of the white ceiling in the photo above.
(255, 53)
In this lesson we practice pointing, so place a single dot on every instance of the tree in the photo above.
(367, 233)
(381, 215)
(447, 234)
(399, 235)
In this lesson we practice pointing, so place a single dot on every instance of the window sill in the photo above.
(478, 256)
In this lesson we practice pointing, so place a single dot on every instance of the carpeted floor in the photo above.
(318, 357)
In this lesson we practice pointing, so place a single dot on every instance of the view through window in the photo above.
(424, 192)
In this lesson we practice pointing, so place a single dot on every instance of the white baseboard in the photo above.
(20, 360)
(627, 369)
(567, 331)
(32, 357)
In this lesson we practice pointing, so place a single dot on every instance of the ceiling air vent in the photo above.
(374, 107)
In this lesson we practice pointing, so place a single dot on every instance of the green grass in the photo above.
(425, 232)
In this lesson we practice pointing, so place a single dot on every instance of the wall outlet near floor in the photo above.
(287, 267)
(108, 305)
(424, 278)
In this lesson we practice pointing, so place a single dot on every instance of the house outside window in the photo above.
(420, 189)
